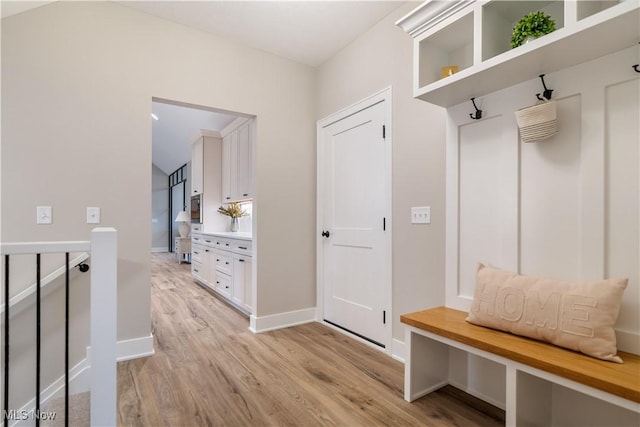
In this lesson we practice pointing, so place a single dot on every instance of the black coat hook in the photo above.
(635, 67)
(547, 92)
(478, 112)
(83, 267)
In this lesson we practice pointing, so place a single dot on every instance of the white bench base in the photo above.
(532, 397)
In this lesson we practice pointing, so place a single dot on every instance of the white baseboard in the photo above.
(281, 320)
(160, 249)
(135, 348)
(399, 350)
(131, 349)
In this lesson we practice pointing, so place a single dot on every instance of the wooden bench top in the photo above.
(621, 379)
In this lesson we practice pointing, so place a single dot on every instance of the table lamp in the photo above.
(185, 218)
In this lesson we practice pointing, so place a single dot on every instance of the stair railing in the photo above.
(103, 386)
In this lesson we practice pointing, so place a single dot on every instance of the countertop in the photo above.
(239, 235)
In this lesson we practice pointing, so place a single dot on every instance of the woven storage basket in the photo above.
(537, 122)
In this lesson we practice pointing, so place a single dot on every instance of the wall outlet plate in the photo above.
(421, 215)
(44, 215)
(93, 215)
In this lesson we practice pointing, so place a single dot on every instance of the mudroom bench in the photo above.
(543, 385)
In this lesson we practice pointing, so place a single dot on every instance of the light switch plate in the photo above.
(421, 215)
(44, 215)
(93, 215)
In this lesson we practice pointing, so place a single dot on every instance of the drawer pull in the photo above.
(226, 287)
(228, 198)
(196, 252)
(242, 247)
(245, 194)
(196, 238)
(226, 244)
(217, 259)
(240, 259)
(206, 250)
(217, 282)
(196, 270)
(217, 243)
(208, 241)
(227, 263)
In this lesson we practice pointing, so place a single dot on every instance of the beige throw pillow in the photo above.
(577, 315)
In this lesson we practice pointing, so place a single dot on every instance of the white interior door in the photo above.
(354, 220)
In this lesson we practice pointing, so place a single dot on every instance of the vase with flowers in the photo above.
(234, 211)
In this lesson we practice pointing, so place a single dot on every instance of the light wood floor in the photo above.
(209, 369)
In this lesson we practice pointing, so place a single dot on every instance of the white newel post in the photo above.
(104, 311)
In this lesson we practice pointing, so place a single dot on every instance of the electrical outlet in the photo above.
(421, 215)
(44, 215)
(93, 215)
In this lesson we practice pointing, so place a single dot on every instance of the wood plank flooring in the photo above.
(210, 370)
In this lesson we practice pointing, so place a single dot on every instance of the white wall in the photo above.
(379, 58)
(77, 85)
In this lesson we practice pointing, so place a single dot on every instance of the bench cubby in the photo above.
(537, 384)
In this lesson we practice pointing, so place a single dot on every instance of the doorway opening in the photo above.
(175, 126)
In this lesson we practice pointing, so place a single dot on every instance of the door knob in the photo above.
(326, 233)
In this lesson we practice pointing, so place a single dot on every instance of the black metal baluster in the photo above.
(37, 413)
(5, 404)
(66, 342)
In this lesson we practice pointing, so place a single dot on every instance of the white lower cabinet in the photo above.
(199, 262)
(224, 265)
(242, 294)
(224, 284)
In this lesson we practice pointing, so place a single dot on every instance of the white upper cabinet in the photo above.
(237, 161)
(245, 161)
(206, 177)
(229, 143)
(475, 37)
(197, 158)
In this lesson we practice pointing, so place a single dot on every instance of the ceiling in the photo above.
(308, 32)
(9, 8)
(175, 129)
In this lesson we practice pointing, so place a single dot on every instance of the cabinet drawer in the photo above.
(196, 228)
(223, 284)
(196, 269)
(222, 243)
(196, 253)
(224, 262)
(241, 247)
(209, 241)
(183, 245)
(197, 239)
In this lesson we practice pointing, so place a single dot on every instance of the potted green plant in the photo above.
(533, 25)
(234, 211)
